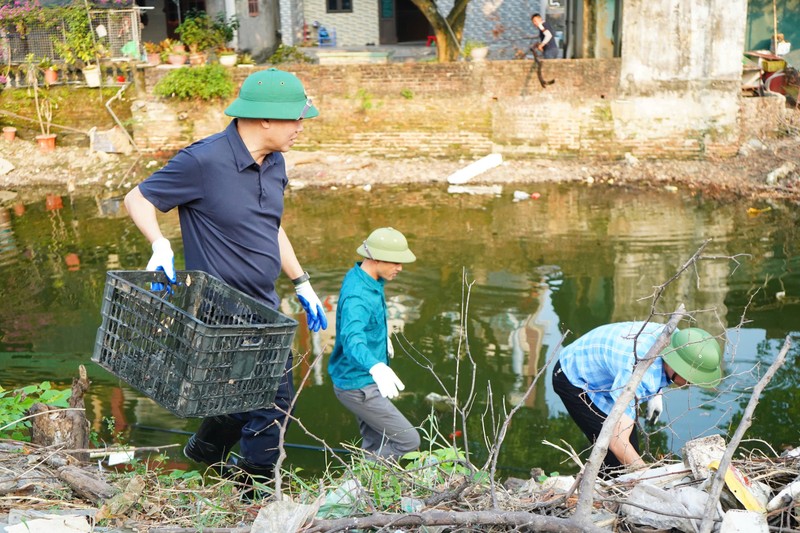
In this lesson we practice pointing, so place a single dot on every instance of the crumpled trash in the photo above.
(738, 521)
(341, 502)
(282, 516)
(677, 503)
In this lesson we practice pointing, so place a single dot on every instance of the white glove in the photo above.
(654, 407)
(386, 380)
(389, 346)
(163, 258)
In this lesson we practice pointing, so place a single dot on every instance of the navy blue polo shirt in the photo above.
(230, 210)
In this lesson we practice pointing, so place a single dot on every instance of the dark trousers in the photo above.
(261, 430)
(588, 417)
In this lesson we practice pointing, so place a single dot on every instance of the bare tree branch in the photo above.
(747, 420)
(515, 519)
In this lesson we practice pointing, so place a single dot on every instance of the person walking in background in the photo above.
(228, 189)
(592, 372)
(547, 43)
(359, 365)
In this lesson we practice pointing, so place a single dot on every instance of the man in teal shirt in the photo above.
(359, 364)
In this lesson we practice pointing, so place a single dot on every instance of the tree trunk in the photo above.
(67, 428)
(448, 31)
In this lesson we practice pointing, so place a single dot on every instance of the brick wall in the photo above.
(467, 109)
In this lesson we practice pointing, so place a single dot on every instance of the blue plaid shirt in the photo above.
(601, 362)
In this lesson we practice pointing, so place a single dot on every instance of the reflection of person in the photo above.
(592, 372)
(359, 364)
(229, 192)
(547, 44)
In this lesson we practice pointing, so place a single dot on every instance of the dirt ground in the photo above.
(72, 168)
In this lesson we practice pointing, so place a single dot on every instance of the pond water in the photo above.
(497, 282)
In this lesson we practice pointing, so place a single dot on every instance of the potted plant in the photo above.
(50, 70)
(227, 56)
(246, 61)
(172, 52)
(201, 33)
(475, 50)
(153, 51)
(44, 110)
(79, 46)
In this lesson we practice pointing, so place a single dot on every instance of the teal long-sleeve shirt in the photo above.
(360, 330)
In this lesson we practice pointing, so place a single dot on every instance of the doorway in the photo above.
(411, 23)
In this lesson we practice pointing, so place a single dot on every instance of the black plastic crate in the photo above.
(202, 348)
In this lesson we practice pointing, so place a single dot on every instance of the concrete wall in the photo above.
(466, 110)
(681, 70)
(352, 29)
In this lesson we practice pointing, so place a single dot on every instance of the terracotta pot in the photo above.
(177, 59)
(154, 59)
(9, 133)
(50, 76)
(47, 143)
(197, 59)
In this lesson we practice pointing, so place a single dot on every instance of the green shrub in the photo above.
(14, 405)
(196, 83)
(288, 54)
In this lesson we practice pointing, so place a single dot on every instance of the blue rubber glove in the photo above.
(315, 316)
(162, 260)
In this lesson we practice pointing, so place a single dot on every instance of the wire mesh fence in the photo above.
(117, 30)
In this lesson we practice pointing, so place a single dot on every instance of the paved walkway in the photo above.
(400, 53)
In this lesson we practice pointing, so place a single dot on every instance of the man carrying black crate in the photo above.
(228, 189)
(359, 365)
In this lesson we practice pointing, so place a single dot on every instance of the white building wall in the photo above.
(352, 29)
(291, 12)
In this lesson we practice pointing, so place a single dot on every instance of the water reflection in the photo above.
(534, 271)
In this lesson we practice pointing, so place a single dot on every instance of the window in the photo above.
(340, 6)
(252, 8)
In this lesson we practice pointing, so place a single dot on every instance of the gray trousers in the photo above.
(384, 429)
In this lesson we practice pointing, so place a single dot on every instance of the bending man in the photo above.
(592, 371)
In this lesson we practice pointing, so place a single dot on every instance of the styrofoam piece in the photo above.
(699, 453)
(660, 476)
(789, 494)
(480, 166)
(738, 521)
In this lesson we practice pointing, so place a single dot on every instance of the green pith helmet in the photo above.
(386, 244)
(695, 356)
(272, 93)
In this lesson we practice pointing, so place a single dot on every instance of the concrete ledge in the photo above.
(352, 57)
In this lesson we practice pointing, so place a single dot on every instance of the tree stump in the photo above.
(65, 428)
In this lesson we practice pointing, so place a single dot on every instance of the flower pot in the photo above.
(177, 59)
(227, 60)
(9, 133)
(50, 76)
(92, 75)
(198, 58)
(47, 143)
(154, 59)
(479, 54)
(178, 48)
